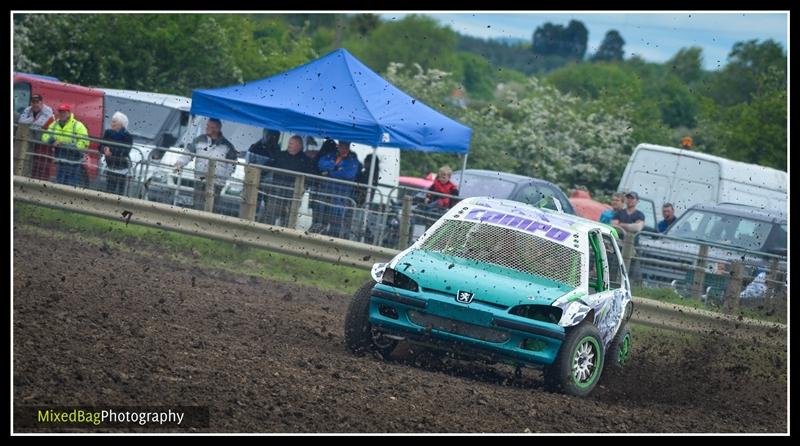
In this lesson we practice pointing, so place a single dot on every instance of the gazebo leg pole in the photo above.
(368, 198)
(463, 168)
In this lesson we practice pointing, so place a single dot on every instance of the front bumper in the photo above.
(436, 319)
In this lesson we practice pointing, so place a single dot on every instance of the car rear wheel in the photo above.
(620, 348)
(579, 363)
(359, 335)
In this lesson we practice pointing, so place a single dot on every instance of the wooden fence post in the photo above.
(297, 195)
(734, 287)
(699, 275)
(405, 223)
(212, 169)
(252, 176)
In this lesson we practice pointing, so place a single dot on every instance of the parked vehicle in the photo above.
(585, 207)
(418, 183)
(87, 103)
(488, 183)
(732, 232)
(685, 177)
(500, 280)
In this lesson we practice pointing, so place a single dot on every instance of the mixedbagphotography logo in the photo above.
(110, 417)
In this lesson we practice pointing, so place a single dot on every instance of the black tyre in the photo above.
(359, 337)
(620, 349)
(579, 363)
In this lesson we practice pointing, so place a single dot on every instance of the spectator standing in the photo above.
(317, 206)
(211, 145)
(68, 137)
(38, 115)
(363, 178)
(117, 153)
(263, 153)
(342, 165)
(282, 188)
(668, 211)
(617, 204)
(629, 219)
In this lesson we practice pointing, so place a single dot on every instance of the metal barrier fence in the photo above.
(323, 248)
(313, 203)
(717, 274)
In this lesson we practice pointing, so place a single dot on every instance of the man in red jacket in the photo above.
(442, 185)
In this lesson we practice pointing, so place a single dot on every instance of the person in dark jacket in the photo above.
(116, 147)
(263, 153)
(363, 178)
(280, 192)
(317, 205)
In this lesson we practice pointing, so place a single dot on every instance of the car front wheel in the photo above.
(579, 363)
(359, 335)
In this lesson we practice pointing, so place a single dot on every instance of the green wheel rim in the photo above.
(586, 362)
(624, 348)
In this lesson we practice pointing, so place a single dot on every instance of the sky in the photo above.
(655, 37)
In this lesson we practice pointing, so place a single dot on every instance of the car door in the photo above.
(611, 293)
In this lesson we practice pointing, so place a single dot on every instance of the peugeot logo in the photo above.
(464, 297)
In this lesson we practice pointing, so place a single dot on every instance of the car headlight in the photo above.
(397, 279)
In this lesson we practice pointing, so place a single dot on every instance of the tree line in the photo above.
(547, 108)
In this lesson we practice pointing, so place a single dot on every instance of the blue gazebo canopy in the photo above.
(336, 96)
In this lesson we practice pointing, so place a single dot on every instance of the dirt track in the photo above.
(269, 357)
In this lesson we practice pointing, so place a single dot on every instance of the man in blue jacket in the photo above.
(342, 165)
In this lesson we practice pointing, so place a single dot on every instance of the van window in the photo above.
(648, 209)
(776, 239)
(22, 96)
(146, 121)
(722, 228)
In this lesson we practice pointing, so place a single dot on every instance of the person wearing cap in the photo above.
(342, 165)
(38, 115)
(69, 137)
(629, 219)
(211, 145)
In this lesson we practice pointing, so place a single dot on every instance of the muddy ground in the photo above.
(101, 326)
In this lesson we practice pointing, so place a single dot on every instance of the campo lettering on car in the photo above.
(513, 221)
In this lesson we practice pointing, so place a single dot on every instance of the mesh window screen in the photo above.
(507, 247)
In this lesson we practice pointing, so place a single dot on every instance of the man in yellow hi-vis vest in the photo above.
(68, 136)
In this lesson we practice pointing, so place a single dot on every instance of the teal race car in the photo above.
(503, 281)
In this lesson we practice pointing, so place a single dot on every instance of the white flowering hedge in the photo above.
(534, 130)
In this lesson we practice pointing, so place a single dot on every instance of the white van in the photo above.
(685, 177)
(158, 120)
(163, 120)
